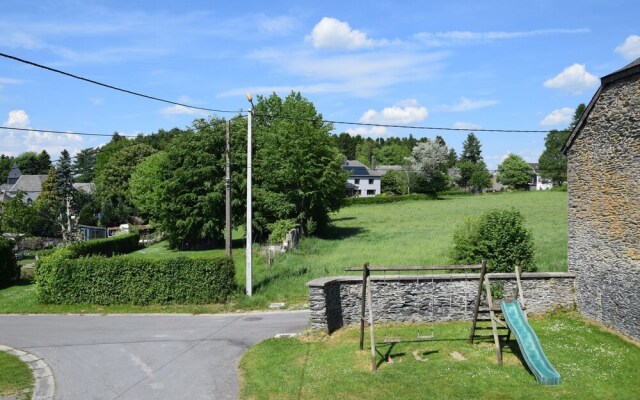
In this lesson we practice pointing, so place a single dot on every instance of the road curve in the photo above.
(145, 356)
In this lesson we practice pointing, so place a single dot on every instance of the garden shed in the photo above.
(603, 154)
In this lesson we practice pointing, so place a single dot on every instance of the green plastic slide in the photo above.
(529, 344)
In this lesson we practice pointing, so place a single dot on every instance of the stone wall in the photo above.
(335, 301)
(604, 208)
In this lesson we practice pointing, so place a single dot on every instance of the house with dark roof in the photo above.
(603, 174)
(31, 186)
(362, 181)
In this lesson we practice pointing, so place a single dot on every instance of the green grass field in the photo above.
(593, 364)
(396, 234)
(16, 380)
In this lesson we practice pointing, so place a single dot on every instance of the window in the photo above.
(370, 181)
(371, 192)
(357, 181)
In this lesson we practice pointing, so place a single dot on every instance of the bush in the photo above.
(120, 244)
(499, 236)
(126, 280)
(384, 199)
(9, 268)
(280, 229)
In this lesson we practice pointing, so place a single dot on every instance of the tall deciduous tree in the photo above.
(429, 162)
(298, 169)
(29, 163)
(515, 172)
(553, 164)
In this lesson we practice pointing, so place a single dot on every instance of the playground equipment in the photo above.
(367, 301)
(509, 315)
(504, 316)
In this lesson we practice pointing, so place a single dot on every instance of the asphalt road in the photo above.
(145, 356)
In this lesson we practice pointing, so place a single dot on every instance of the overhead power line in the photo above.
(113, 87)
(61, 132)
(294, 118)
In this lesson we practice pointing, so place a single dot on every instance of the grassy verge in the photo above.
(16, 380)
(415, 232)
(593, 363)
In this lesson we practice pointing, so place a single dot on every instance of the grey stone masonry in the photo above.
(604, 205)
(334, 302)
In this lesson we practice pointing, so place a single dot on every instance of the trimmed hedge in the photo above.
(126, 280)
(120, 244)
(9, 268)
(384, 199)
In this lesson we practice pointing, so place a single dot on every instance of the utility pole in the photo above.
(228, 238)
(249, 285)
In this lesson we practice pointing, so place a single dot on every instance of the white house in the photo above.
(537, 181)
(362, 181)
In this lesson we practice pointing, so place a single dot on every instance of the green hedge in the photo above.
(120, 244)
(9, 268)
(384, 199)
(126, 280)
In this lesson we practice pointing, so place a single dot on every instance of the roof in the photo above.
(29, 183)
(356, 168)
(88, 187)
(14, 173)
(628, 70)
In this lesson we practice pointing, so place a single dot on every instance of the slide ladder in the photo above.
(529, 343)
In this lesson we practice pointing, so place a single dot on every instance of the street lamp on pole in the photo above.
(249, 286)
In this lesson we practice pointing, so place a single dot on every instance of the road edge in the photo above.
(44, 384)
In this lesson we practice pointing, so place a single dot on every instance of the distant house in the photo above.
(537, 182)
(31, 186)
(362, 181)
(603, 175)
(92, 232)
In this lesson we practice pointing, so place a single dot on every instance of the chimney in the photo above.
(373, 163)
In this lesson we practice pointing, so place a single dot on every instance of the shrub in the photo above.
(9, 268)
(384, 199)
(280, 229)
(499, 236)
(125, 280)
(120, 244)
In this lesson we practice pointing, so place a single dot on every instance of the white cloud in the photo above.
(18, 119)
(466, 125)
(573, 79)
(334, 34)
(373, 132)
(361, 75)
(405, 112)
(276, 25)
(561, 116)
(466, 104)
(182, 110)
(438, 39)
(19, 141)
(630, 49)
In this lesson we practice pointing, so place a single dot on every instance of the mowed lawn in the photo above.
(406, 233)
(593, 364)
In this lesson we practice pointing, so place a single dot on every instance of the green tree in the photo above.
(480, 178)
(29, 163)
(347, 144)
(17, 216)
(364, 151)
(429, 162)
(49, 207)
(109, 150)
(298, 169)
(553, 163)
(66, 191)
(9, 268)
(471, 149)
(44, 162)
(84, 165)
(147, 185)
(113, 182)
(6, 163)
(515, 172)
(391, 154)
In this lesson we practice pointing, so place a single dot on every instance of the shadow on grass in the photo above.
(342, 219)
(513, 346)
(333, 232)
(18, 282)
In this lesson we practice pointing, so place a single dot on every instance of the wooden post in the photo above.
(365, 276)
(494, 326)
(483, 271)
(228, 228)
(374, 363)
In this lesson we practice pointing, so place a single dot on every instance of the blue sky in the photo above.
(471, 64)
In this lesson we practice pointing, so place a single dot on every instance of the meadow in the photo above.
(406, 233)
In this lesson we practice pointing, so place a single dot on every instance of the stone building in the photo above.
(603, 153)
